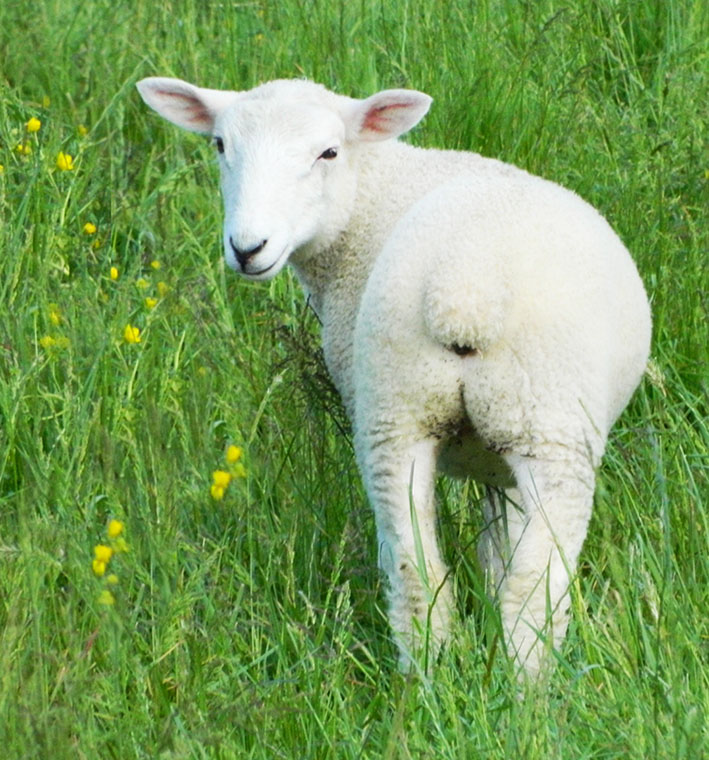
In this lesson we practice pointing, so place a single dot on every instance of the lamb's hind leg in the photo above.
(399, 478)
(556, 499)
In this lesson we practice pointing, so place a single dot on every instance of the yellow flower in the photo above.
(114, 273)
(107, 598)
(33, 124)
(102, 552)
(239, 470)
(2, 168)
(65, 162)
(99, 567)
(233, 454)
(24, 149)
(151, 303)
(112, 579)
(163, 289)
(81, 129)
(155, 264)
(48, 341)
(120, 545)
(217, 492)
(115, 528)
(142, 283)
(54, 316)
(221, 478)
(131, 334)
(89, 228)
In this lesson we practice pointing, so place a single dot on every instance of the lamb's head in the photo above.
(287, 154)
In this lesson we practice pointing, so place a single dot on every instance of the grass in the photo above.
(253, 626)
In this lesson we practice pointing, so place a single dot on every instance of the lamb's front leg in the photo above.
(399, 478)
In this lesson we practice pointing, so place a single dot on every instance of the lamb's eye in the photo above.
(329, 154)
(219, 143)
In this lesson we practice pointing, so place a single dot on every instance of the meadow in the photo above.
(252, 625)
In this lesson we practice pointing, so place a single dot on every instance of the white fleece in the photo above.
(476, 319)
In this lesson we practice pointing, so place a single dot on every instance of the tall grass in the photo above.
(253, 626)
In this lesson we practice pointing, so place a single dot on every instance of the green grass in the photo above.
(254, 626)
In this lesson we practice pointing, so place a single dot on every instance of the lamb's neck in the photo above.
(389, 180)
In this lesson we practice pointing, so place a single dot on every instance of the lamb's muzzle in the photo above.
(243, 256)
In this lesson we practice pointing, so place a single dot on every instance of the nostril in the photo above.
(244, 254)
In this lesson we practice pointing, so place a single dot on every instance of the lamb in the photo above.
(476, 320)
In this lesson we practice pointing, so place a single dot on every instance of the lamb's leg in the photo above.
(399, 479)
(557, 498)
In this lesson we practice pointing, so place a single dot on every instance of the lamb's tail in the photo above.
(463, 311)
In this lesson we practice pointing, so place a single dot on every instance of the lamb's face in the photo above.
(286, 156)
(284, 180)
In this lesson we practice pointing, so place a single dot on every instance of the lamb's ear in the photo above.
(184, 104)
(387, 114)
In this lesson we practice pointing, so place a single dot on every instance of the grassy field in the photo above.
(253, 626)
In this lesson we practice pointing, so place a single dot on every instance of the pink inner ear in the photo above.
(379, 119)
(194, 109)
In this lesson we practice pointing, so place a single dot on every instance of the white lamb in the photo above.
(474, 318)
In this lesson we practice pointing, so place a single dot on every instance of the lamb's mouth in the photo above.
(267, 269)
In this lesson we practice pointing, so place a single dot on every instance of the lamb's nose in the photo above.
(243, 255)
